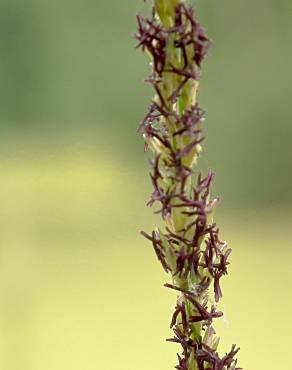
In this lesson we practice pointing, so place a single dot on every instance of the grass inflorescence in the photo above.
(189, 248)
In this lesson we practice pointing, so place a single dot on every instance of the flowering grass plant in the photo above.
(189, 248)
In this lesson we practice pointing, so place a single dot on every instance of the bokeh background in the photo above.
(79, 288)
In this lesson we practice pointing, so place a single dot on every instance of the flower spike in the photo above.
(189, 248)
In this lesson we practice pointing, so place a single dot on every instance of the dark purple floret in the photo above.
(195, 37)
(152, 36)
(157, 245)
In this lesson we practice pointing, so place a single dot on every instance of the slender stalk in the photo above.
(189, 247)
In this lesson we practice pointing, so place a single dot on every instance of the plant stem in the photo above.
(189, 248)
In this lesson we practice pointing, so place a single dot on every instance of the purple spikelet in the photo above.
(189, 248)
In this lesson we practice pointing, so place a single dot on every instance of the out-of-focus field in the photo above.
(80, 289)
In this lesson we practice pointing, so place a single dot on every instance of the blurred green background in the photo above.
(79, 288)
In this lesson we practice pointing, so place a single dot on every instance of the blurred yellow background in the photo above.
(79, 287)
